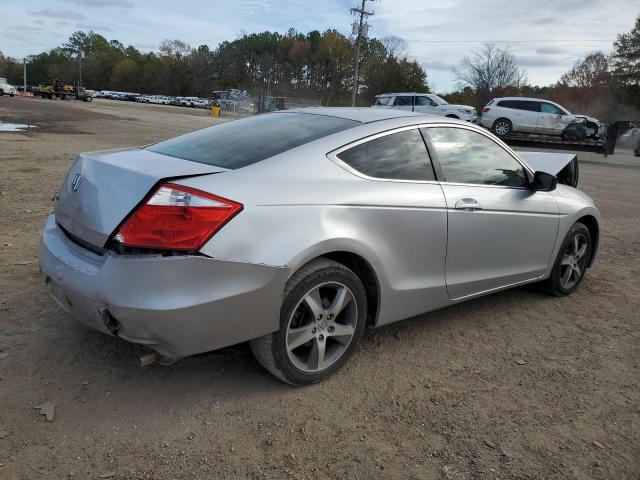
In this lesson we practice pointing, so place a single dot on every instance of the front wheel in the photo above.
(321, 322)
(571, 262)
(502, 127)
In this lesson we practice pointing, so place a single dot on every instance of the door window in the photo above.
(387, 101)
(399, 156)
(423, 102)
(470, 157)
(404, 101)
(550, 108)
(526, 105)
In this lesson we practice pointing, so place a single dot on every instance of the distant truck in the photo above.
(63, 90)
(6, 89)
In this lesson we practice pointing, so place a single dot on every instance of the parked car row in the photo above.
(193, 102)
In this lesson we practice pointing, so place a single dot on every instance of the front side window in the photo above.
(550, 108)
(404, 101)
(423, 101)
(398, 156)
(466, 156)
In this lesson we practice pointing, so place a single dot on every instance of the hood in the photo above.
(562, 165)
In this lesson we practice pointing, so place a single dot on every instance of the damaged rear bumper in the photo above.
(177, 306)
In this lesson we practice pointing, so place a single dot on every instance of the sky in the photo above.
(546, 36)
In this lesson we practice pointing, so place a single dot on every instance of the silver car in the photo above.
(296, 230)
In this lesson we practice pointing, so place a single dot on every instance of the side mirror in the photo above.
(544, 182)
(434, 104)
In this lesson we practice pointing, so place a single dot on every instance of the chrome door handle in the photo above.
(468, 204)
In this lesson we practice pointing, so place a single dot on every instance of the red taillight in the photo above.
(485, 109)
(177, 218)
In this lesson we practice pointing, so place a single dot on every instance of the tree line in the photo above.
(319, 66)
(314, 65)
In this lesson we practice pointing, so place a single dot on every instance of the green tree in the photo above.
(626, 56)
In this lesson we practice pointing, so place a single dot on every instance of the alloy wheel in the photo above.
(321, 327)
(502, 128)
(573, 261)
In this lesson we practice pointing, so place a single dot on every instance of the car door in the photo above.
(424, 104)
(553, 120)
(526, 112)
(500, 232)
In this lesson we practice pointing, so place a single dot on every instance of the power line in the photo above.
(573, 40)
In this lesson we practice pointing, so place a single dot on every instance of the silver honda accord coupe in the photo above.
(296, 230)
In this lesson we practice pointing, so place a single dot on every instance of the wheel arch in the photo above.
(591, 223)
(363, 270)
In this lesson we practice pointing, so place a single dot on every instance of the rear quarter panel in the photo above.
(301, 205)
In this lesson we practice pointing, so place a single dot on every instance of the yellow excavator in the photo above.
(63, 90)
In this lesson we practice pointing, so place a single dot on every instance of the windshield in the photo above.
(239, 143)
(438, 100)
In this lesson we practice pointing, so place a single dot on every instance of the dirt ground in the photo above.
(516, 385)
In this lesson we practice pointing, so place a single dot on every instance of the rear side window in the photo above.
(384, 101)
(526, 105)
(398, 156)
(506, 103)
(239, 143)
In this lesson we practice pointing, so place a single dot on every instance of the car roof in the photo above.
(405, 94)
(358, 114)
(526, 98)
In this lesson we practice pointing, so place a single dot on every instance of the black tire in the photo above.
(453, 116)
(502, 127)
(271, 350)
(554, 284)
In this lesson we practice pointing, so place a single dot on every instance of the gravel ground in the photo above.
(513, 385)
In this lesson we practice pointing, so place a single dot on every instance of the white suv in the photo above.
(528, 115)
(6, 89)
(426, 103)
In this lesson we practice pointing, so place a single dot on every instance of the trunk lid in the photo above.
(102, 188)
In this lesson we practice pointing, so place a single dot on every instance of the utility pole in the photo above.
(362, 30)
(24, 75)
(80, 55)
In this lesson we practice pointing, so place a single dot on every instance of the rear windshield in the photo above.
(239, 143)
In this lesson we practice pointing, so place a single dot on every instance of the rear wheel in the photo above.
(502, 127)
(321, 322)
(571, 262)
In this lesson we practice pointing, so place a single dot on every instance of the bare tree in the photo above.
(490, 70)
(396, 46)
(590, 72)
